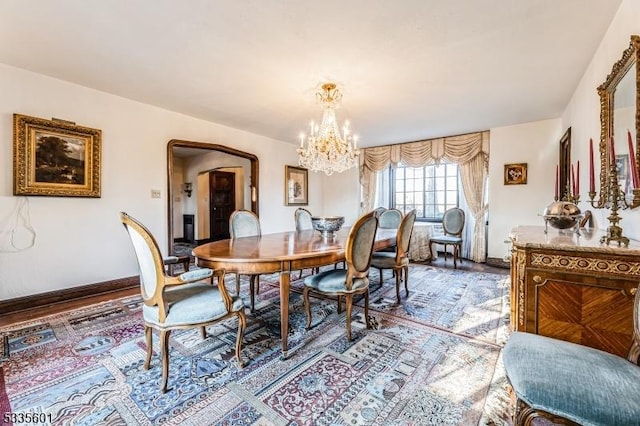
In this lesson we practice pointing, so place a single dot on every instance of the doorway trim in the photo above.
(253, 159)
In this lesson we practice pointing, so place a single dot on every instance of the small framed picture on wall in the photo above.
(515, 174)
(296, 186)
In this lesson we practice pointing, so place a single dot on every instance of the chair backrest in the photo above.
(303, 219)
(404, 234)
(149, 258)
(359, 246)
(244, 223)
(453, 221)
(378, 211)
(390, 218)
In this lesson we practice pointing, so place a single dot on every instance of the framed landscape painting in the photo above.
(55, 158)
(296, 186)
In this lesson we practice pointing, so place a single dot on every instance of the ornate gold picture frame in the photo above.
(55, 158)
(515, 174)
(296, 186)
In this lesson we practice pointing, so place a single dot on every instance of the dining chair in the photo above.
(245, 223)
(397, 260)
(390, 218)
(452, 225)
(180, 302)
(302, 218)
(378, 211)
(567, 383)
(352, 280)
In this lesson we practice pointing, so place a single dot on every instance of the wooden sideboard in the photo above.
(573, 288)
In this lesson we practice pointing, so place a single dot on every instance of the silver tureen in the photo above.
(562, 215)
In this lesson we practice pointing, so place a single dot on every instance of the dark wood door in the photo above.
(222, 196)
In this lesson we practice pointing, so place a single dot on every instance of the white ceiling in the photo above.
(408, 69)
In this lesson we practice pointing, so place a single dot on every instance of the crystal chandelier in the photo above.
(328, 150)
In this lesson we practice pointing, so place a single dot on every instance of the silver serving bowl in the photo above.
(562, 214)
(327, 225)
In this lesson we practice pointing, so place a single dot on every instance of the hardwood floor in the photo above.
(26, 315)
(55, 308)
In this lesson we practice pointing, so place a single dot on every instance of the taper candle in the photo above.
(592, 180)
(577, 179)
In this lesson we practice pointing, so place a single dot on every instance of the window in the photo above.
(430, 189)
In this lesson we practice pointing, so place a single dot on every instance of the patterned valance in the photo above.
(457, 149)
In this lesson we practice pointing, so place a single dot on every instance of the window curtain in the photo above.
(470, 152)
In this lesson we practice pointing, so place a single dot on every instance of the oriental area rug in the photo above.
(433, 359)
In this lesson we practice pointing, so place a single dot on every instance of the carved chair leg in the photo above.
(237, 284)
(307, 306)
(366, 309)
(381, 278)
(349, 298)
(148, 334)
(164, 349)
(257, 284)
(455, 256)
(339, 304)
(406, 280)
(398, 274)
(203, 332)
(431, 250)
(242, 325)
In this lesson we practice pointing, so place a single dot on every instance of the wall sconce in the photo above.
(187, 188)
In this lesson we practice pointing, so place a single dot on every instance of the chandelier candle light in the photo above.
(328, 149)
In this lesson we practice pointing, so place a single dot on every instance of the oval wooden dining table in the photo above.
(281, 252)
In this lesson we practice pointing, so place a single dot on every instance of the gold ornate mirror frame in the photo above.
(608, 180)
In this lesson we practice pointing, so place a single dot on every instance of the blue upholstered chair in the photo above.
(573, 384)
(185, 301)
(352, 280)
(245, 223)
(452, 225)
(390, 218)
(397, 260)
(378, 211)
(302, 218)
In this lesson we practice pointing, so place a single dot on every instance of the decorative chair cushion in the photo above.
(191, 304)
(333, 280)
(387, 260)
(446, 239)
(196, 274)
(582, 384)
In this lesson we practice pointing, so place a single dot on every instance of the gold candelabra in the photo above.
(614, 198)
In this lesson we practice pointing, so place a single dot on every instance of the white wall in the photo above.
(583, 111)
(341, 195)
(536, 144)
(80, 240)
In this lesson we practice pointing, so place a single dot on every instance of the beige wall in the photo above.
(80, 241)
(583, 111)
